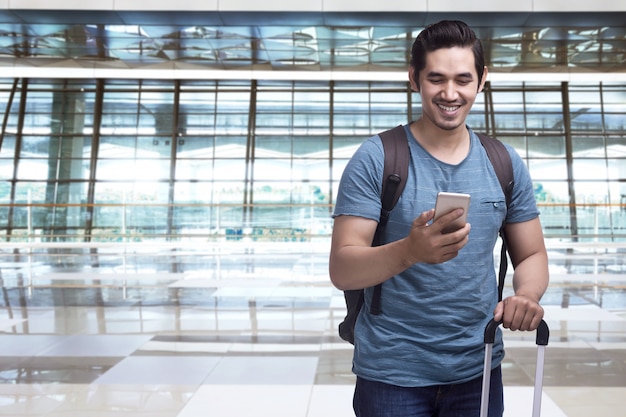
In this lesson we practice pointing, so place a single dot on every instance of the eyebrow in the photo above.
(461, 75)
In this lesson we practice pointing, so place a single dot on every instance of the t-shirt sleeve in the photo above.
(360, 186)
(523, 206)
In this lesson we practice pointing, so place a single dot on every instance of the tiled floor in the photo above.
(180, 345)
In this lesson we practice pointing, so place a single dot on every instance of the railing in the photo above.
(259, 222)
(272, 246)
(123, 264)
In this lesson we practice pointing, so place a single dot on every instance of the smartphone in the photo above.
(446, 202)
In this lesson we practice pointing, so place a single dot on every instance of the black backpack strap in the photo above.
(501, 161)
(395, 145)
(502, 164)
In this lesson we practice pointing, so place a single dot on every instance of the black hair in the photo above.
(446, 34)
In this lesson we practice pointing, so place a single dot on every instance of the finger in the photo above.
(526, 320)
(458, 237)
(521, 314)
(446, 220)
(536, 318)
(509, 319)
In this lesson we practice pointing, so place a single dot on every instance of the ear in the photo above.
(414, 83)
(483, 81)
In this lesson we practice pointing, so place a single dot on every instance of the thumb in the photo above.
(424, 218)
(498, 312)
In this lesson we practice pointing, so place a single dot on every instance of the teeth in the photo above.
(446, 108)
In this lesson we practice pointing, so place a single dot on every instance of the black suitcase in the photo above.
(543, 334)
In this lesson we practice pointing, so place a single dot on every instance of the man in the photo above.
(423, 355)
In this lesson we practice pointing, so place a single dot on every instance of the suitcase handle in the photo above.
(543, 332)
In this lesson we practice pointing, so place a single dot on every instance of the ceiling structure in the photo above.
(360, 42)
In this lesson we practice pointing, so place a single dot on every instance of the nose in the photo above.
(449, 91)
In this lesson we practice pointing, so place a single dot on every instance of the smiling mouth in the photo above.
(448, 108)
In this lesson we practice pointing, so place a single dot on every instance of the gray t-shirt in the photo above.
(433, 317)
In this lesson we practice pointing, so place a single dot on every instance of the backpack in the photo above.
(395, 145)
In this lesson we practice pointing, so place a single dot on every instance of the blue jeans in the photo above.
(376, 399)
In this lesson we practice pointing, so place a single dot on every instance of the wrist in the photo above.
(408, 258)
(530, 296)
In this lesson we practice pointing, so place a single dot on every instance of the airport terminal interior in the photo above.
(167, 182)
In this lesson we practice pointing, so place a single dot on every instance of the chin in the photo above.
(450, 126)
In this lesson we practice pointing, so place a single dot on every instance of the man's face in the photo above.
(448, 85)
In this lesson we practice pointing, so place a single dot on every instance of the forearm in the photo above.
(354, 264)
(356, 267)
(531, 276)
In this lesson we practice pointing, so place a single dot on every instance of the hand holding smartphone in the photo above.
(446, 202)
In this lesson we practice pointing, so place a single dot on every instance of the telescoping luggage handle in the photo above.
(543, 334)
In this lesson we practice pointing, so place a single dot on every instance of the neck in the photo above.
(450, 146)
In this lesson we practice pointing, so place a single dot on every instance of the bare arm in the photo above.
(530, 279)
(355, 264)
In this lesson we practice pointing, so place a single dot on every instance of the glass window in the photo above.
(510, 122)
(551, 192)
(273, 169)
(589, 169)
(476, 121)
(547, 169)
(588, 146)
(122, 169)
(200, 192)
(546, 146)
(586, 108)
(273, 192)
(591, 192)
(615, 122)
(553, 203)
(6, 169)
(310, 169)
(309, 146)
(231, 124)
(265, 146)
(508, 109)
(382, 122)
(351, 102)
(355, 124)
(311, 123)
(616, 169)
(345, 146)
(614, 107)
(544, 110)
(228, 193)
(616, 147)
(303, 135)
(195, 147)
(229, 170)
(230, 146)
(517, 142)
(193, 170)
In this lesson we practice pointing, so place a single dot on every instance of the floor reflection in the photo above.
(183, 346)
